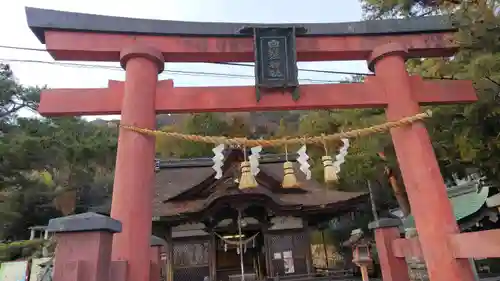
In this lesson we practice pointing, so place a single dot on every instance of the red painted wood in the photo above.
(393, 268)
(87, 46)
(430, 205)
(169, 99)
(118, 271)
(481, 244)
(134, 173)
(404, 247)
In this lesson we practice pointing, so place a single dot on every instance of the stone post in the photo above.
(83, 251)
(386, 231)
(416, 266)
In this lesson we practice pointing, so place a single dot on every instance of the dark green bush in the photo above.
(20, 249)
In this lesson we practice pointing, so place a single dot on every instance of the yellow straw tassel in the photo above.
(247, 180)
(330, 175)
(289, 179)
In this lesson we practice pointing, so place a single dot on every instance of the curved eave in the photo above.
(273, 203)
(41, 20)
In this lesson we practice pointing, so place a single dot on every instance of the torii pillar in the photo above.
(424, 183)
(134, 175)
(70, 36)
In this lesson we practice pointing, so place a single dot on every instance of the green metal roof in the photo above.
(465, 200)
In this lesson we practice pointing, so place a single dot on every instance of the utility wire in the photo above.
(176, 72)
(195, 73)
(221, 63)
(303, 69)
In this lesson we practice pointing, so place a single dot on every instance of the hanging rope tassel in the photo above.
(330, 173)
(247, 180)
(289, 178)
(329, 170)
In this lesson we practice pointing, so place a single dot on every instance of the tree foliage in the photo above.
(465, 137)
(43, 159)
(13, 96)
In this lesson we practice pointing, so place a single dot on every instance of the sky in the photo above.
(15, 32)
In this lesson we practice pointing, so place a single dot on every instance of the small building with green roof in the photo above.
(468, 200)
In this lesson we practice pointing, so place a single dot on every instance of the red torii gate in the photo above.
(143, 46)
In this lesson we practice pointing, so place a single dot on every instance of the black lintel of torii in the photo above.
(41, 20)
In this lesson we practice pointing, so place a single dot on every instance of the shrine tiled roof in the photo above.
(315, 195)
(466, 200)
(175, 182)
(188, 186)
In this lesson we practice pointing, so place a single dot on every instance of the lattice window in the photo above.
(190, 254)
(191, 273)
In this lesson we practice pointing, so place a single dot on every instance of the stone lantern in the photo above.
(360, 251)
(361, 255)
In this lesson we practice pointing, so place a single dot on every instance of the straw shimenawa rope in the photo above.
(318, 140)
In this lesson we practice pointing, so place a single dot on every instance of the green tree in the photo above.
(465, 137)
(13, 96)
(43, 159)
(208, 124)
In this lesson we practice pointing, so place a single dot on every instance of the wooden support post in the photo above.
(307, 232)
(364, 273)
(325, 250)
(386, 232)
(157, 247)
(169, 251)
(212, 252)
(419, 168)
(134, 172)
(83, 247)
(267, 254)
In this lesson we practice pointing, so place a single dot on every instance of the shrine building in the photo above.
(198, 217)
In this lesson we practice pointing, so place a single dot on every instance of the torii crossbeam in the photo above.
(170, 99)
(143, 46)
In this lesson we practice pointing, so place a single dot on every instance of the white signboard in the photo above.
(13, 271)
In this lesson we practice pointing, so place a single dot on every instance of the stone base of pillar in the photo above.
(83, 251)
(417, 270)
(386, 231)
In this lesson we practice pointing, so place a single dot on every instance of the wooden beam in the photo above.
(443, 91)
(404, 247)
(170, 99)
(86, 46)
(480, 244)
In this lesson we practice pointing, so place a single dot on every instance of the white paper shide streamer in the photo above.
(254, 159)
(340, 157)
(303, 161)
(218, 160)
